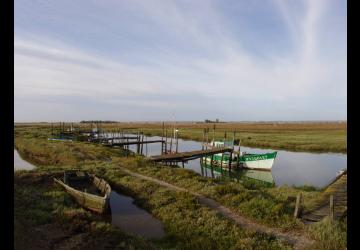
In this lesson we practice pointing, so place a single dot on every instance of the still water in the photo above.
(291, 168)
(20, 164)
(132, 219)
(124, 213)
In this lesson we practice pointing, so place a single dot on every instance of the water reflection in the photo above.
(132, 219)
(238, 175)
(291, 168)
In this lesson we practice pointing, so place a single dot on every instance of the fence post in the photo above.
(297, 205)
(331, 207)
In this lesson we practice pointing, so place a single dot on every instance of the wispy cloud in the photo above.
(186, 54)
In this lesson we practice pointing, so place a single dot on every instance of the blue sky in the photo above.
(153, 60)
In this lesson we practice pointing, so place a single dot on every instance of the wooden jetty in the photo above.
(100, 139)
(333, 202)
(190, 155)
(133, 142)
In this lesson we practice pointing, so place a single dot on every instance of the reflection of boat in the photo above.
(88, 190)
(242, 159)
(238, 174)
(265, 176)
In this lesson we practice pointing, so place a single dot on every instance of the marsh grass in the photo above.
(306, 137)
(188, 225)
(329, 235)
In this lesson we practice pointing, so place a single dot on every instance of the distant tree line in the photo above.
(98, 121)
(210, 121)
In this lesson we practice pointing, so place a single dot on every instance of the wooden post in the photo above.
(297, 205)
(166, 141)
(177, 140)
(211, 166)
(203, 140)
(138, 143)
(332, 207)
(142, 143)
(234, 139)
(230, 160)
(171, 142)
(214, 136)
(221, 163)
(162, 138)
(207, 138)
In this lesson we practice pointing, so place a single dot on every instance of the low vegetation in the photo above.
(188, 224)
(307, 137)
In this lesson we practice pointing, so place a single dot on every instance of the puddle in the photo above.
(132, 219)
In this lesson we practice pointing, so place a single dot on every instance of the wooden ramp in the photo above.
(337, 188)
(190, 155)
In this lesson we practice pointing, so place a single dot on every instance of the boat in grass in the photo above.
(90, 191)
(240, 159)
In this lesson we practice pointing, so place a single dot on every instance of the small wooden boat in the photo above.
(88, 190)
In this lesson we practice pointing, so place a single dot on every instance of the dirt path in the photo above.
(297, 240)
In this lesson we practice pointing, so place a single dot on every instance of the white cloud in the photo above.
(45, 67)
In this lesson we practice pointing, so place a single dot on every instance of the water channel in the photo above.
(290, 168)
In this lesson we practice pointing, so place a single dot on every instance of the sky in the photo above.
(136, 60)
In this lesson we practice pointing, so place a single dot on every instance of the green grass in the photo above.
(188, 225)
(311, 138)
(330, 235)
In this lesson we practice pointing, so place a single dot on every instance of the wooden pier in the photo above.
(190, 155)
(333, 202)
(133, 142)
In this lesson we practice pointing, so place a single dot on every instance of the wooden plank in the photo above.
(190, 154)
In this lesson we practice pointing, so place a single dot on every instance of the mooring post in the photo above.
(213, 136)
(166, 140)
(203, 140)
(142, 143)
(332, 207)
(177, 140)
(297, 205)
(230, 160)
(207, 138)
(211, 166)
(171, 142)
(221, 163)
(233, 144)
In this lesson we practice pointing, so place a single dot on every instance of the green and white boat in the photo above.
(258, 161)
(241, 159)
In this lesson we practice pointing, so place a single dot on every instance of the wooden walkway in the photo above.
(133, 142)
(114, 138)
(190, 155)
(337, 188)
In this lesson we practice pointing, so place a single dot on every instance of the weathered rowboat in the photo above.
(88, 190)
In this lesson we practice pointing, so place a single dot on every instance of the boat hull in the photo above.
(258, 161)
(95, 203)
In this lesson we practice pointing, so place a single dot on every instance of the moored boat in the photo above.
(241, 159)
(88, 190)
(258, 161)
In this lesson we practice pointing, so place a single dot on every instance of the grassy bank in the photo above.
(307, 137)
(187, 223)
